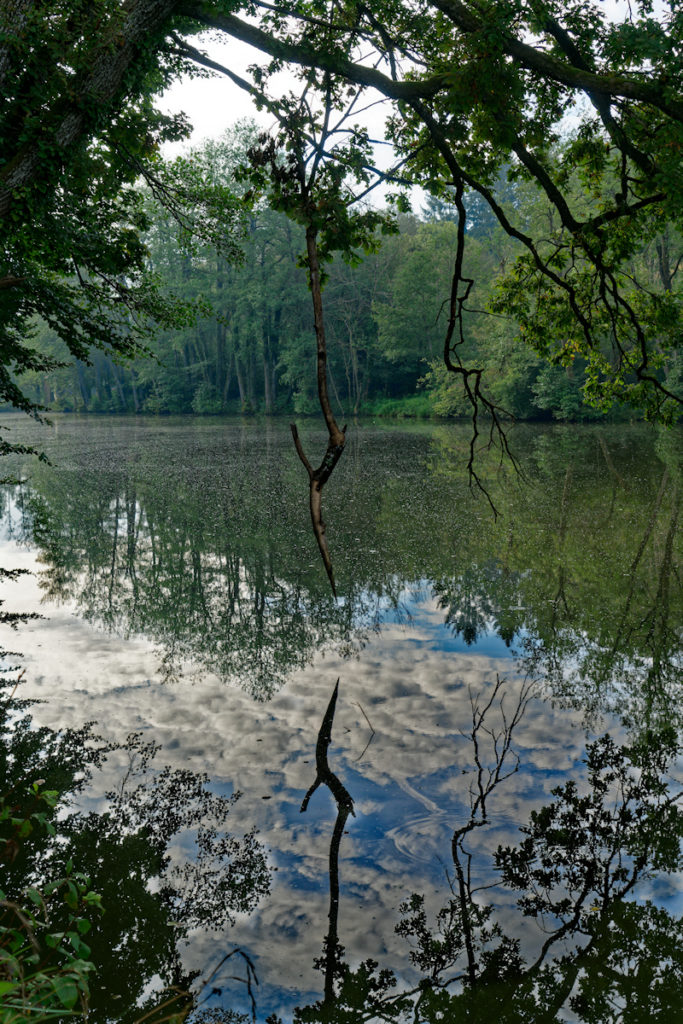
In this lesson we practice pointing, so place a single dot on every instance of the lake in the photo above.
(495, 833)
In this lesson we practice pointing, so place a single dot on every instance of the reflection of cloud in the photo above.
(417, 698)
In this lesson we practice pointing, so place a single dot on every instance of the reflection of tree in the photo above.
(158, 854)
(581, 579)
(199, 574)
(599, 953)
(342, 798)
(579, 574)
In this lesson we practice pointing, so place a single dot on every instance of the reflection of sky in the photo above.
(410, 785)
(412, 680)
(412, 604)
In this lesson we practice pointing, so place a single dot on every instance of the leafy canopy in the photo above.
(585, 108)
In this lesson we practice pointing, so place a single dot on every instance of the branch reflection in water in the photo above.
(579, 576)
(325, 776)
(601, 951)
(576, 586)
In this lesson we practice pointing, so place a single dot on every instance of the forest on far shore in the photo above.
(250, 347)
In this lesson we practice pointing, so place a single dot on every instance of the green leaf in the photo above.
(80, 948)
(71, 896)
(35, 897)
(67, 991)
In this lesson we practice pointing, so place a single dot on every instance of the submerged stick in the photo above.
(317, 479)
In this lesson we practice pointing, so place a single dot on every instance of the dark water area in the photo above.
(495, 832)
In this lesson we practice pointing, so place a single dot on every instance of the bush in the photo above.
(44, 963)
(410, 407)
(206, 400)
(560, 391)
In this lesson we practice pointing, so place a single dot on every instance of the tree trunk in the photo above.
(240, 382)
(336, 435)
(118, 374)
(82, 384)
(136, 400)
(267, 396)
(227, 380)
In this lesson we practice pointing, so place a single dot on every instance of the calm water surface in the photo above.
(182, 604)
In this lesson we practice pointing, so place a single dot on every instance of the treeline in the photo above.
(252, 347)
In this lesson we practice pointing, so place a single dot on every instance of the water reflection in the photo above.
(585, 864)
(583, 581)
(157, 851)
(598, 953)
(209, 566)
(204, 551)
(576, 587)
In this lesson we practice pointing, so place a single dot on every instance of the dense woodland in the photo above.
(250, 347)
(544, 268)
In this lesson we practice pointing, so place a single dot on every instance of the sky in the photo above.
(214, 104)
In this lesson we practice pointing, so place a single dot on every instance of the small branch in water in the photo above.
(317, 479)
(372, 730)
(336, 438)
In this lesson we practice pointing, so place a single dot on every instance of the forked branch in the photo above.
(505, 763)
(337, 437)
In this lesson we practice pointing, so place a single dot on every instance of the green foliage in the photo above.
(78, 129)
(576, 236)
(559, 390)
(423, 262)
(592, 202)
(44, 956)
(206, 400)
(412, 407)
(251, 350)
(313, 187)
